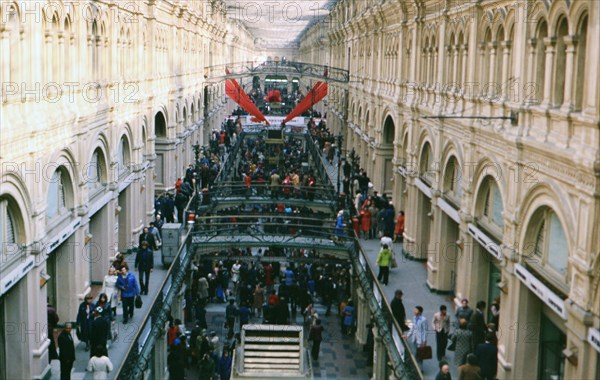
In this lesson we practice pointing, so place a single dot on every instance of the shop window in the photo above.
(552, 343)
(426, 168)
(8, 230)
(95, 172)
(453, 180)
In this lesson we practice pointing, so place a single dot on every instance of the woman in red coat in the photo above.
(365, 222)
(399, 228)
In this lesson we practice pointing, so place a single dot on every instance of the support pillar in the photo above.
(363, 317)
(379, 356)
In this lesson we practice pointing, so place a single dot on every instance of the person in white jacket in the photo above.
(100, 365)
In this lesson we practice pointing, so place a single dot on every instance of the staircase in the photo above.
(271, 351)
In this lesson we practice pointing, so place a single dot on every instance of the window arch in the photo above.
(551, 248)
(490, 206)
(539, 60)
(580, 82)
(123, 156)
(96, 171)
(560, 58)
(426, 169)
(57, 203)
(9, 232)
(453, 179)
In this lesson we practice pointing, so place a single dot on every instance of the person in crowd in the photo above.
(52, 322)
(384, 260)
(85, 316)
(176, 360)
(203, 294)
(495, 311)
(398, 310)
(144, 263)
(100, 330)
(259, 299)
(155, 232)
(66, 348)
(464, 312)
(477, 324)
(129, 288)
(99, 364)
(441, 325)
(417, 335)
(231, 312)
(109, 288)
(470, 370)
(487, 357)
(224, 367)
(173, 332)
(244, 314)
(365, 222)
(147, 237)
(104, 303)
(444, 373)
(463, 339)
(315, 335)
(399, 228)
(340, 226)
(207, 368)
(349, 316)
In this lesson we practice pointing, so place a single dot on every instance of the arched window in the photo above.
(8, 228)
(56, 196)
(539, 62)
(551, 245)
(491, 206)
(558, 89)
(95, 172)
(453, 179)
(123, 157)
(426, 169)
(580, 82)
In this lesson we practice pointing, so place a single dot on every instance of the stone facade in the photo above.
(495, 207)
(101, 102)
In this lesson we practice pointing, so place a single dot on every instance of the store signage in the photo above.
(9, 280)
(63, 235)
(550, 298)
(491, 246)
(100, 203)
(594, 338)
(449, 210)
(423, 187)
(276, 120)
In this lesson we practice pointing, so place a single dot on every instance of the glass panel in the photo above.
(493, 290)
(552, 343)
(558, 249)
(11, 235)
(539, 241)
(498, 207)
(93, 171)
(53, 196)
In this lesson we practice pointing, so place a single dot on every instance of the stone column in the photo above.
(550, 44)
(379, 356)
(531, 44)
(505, 66)
(492, 67)
(570, 47)
(363, 316)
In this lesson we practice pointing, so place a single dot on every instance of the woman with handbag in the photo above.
(417, 336)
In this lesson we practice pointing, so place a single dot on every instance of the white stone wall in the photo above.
(408, 60)
(83, 80)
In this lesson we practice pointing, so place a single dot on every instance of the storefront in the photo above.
(553, 341)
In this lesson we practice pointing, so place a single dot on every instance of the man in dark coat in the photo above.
(144, 262)
(100, 330)
(477, 324)
(148, 237)
(487, 356)
(67, 352)
(398, 310)
(52, 321)
(316, 336)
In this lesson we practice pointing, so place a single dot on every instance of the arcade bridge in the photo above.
(212, 233)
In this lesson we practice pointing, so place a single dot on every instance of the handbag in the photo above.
(394, 263)
(114, 334)
(138, 302)
(452, 346)
(424, 353)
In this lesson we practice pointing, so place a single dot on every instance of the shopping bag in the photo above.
(424, 353)
(138, 302)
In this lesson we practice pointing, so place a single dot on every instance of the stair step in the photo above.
(289, 361)
(271, 339)
(272, 347)
(262, 367)
(262, 354)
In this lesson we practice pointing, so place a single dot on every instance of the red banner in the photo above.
(238, 95)
(315, 95)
